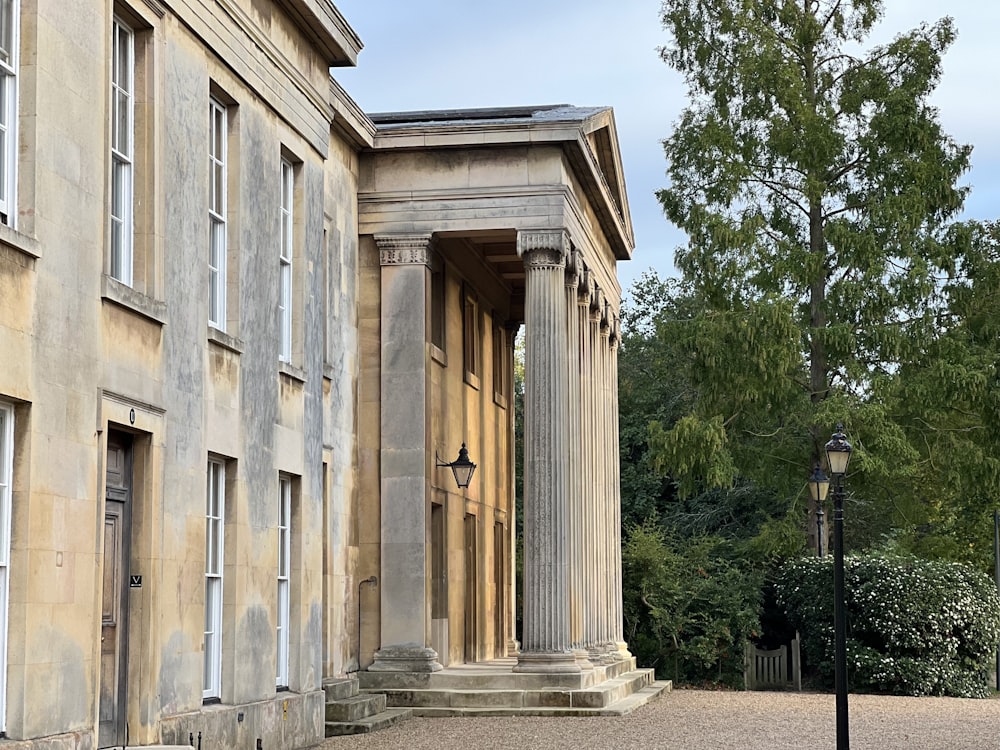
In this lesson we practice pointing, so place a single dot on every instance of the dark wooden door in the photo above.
(471, 590)
(114, 599)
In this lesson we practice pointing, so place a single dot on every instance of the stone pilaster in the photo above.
(404, 456)
(513, 645)
(546, 634)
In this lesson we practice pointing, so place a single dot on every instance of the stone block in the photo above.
(356, 707)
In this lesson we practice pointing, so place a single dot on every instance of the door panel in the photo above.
(471, 591)
(114, 600)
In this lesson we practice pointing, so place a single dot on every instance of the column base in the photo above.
(602, 654)
(622, 648)
(555, 662)
(583, 659)
(405, 657)
(513, 647)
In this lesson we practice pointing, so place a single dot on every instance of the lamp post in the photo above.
(838, 455)
(819, 485)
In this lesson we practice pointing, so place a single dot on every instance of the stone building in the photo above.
(241, 324)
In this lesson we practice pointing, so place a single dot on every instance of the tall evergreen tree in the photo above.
(818, 190)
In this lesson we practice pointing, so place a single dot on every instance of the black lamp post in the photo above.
(838, 455)
(819, 485)
(461, 467)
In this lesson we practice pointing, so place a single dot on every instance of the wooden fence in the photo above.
(773, 669)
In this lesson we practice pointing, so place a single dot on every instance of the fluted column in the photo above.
(618, 613)
(606, 480)
(599, 644)
(577, 552)
(404, 456)
(546, 633)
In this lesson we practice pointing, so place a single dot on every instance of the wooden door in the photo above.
(114, 598)
(471, 591)
(500, 590)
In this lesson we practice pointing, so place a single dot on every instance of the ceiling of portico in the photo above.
(489, 259)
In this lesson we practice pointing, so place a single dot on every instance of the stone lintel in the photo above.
(405, 657)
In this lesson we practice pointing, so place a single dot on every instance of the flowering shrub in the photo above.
(914, 627)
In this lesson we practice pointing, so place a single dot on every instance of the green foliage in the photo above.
(652, 385)
(824, 277)
(689, 610)
(915, 627)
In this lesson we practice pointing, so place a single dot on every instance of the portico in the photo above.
(473, 224)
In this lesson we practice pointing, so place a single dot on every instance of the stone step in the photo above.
(356, 707)
(485, 676)
(369, 724)
(597, 697)
(650, 692)
(337, 690)
(614, 690)
(619, 708)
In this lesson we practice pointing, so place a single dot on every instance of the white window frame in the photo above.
(215, 534)
(284, 577)
(122, 152)
(6, 502)
(285, 261)
(10, 45)
(217, 210)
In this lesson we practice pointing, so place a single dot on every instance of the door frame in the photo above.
(118, 502)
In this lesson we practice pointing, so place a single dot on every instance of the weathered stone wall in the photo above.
(81, 354)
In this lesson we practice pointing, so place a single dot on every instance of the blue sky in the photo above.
(442, 54)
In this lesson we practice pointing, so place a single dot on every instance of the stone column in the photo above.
(577, 556)
(405, 456)
(587, 473)
(618, 612)
(546, 634)
(597, 645)
(605, 483)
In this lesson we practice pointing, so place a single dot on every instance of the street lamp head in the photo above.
(838, 452)
(819, 485)
(461, 467)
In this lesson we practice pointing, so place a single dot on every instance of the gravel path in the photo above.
(702, 720)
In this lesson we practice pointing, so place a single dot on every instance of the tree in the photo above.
(818, 191)
(652, 385)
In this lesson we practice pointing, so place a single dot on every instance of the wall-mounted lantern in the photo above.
(461, 467)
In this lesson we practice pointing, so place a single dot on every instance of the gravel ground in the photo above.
(702, 720)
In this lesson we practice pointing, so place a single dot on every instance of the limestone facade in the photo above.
(241, 323)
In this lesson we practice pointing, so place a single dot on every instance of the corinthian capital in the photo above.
(404, 249)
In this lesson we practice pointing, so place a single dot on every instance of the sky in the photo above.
(451, 54)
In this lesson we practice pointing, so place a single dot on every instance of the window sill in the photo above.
(500, 400)
(124, 296)
(438, 355)
(288, 370)
(472, 379)
(223, 339)
(21, 242)
(328, 372)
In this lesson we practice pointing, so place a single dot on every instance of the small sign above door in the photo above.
(135, 582)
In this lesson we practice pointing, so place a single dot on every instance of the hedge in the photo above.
(915, 627)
